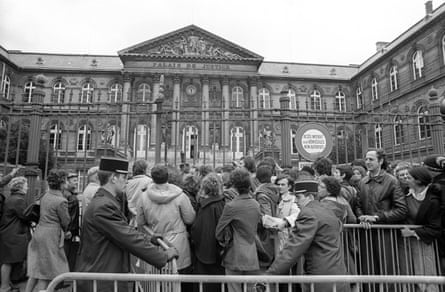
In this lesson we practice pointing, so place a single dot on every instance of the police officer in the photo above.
(107, 239)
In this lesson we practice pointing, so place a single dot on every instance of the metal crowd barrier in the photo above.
(309, 282)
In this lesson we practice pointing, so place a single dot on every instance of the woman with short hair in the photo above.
(46, 255)
(14, 230)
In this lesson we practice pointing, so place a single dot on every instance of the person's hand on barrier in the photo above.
(406, 232)
(172, 253)
(155, 239)
(260, 287)
(366, 220)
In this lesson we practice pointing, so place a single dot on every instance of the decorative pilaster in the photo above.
(285, 129)
(254, 114)
(436, 121)
(156, 85)
(226, 113)
(125, 118)
(205, 116)
(176, 108)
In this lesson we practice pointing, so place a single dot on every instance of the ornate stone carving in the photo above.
(191, 45)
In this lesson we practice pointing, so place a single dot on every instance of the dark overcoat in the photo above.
(14, 230)
(107, 240)
(316, 236)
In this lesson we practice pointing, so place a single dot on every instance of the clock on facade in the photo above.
(190, 90)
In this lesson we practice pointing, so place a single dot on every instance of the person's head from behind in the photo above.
(225, 175)
(264, 174)
(305, 192)
(249, 164)
(419, 177)
(140, 167)
(342, 173)
(57, 179)
(328, 186)
(285, 183)
(241, 181)
(159, 174)
(92, 174)
(113, 174)
(211, 186)
(18, 184)
(322, 166)
(205, 170)
(269, 161)
(190, 183)
(376, 160)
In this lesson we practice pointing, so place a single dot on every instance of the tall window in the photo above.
(378, 131)
(29, 88)
(144, 92)
(6, 85)
(55, 136)
(292, 99)
(315, 100)
(237, 144)
(398, 130)
(264, 96)
(340, 101)
(84, 138)
(237, 96)
(116, 92)
(359, 96)
(418, 64)
(443, 48)
(394, 78)
(374, 89)
(293, 141)
(87, 93)
(424, 123)
(59, 92)
(141, 140)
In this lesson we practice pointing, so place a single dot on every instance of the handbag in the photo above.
(32, 212)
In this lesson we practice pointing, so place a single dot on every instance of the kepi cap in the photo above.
(114, 164)
(306, 186)
(435, 163)
(71, 175)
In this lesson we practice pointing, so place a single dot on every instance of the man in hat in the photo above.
(436, 166)
(316, 236)
(71, 244)
(107, 238)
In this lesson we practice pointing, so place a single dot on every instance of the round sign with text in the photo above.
(313, 141)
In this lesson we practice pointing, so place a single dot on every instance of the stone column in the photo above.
(176, 107)
(436, 121)
(33, 172)
(205, 114)
(226, 114)
(125, 118)
(285, 129)
(156, 85)
(254, 115)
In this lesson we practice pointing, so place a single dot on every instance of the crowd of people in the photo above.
(243, 218)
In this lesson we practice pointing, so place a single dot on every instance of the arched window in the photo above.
(59, 93)
(29, 88)
(55, 136)
(398, 130)
(394, 78)
(340, 101)
(417, 63)
(293, 141)
(292, 99)
(237, 142)
(84, 138)
(6, 85)
(374, 89)
(264, 96)
(315, 100)
(144, 93)
(378, 131)
(87, 93)
(141, 140)
(116, 93)
(424, 123)
(237, 96)
(359, 96)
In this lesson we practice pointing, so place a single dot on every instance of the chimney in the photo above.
(428, 8)
(380, 46)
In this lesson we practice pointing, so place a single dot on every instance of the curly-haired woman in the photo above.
(46, 256)
(14, 231)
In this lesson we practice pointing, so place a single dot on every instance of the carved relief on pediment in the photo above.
(191, 45)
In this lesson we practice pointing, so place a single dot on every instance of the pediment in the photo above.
(190, 42)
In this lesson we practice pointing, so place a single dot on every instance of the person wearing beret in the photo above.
(107, 238)
(316, 236)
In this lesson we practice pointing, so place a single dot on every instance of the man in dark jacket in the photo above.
(71, 244)
(316, 236)
(107, 239)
